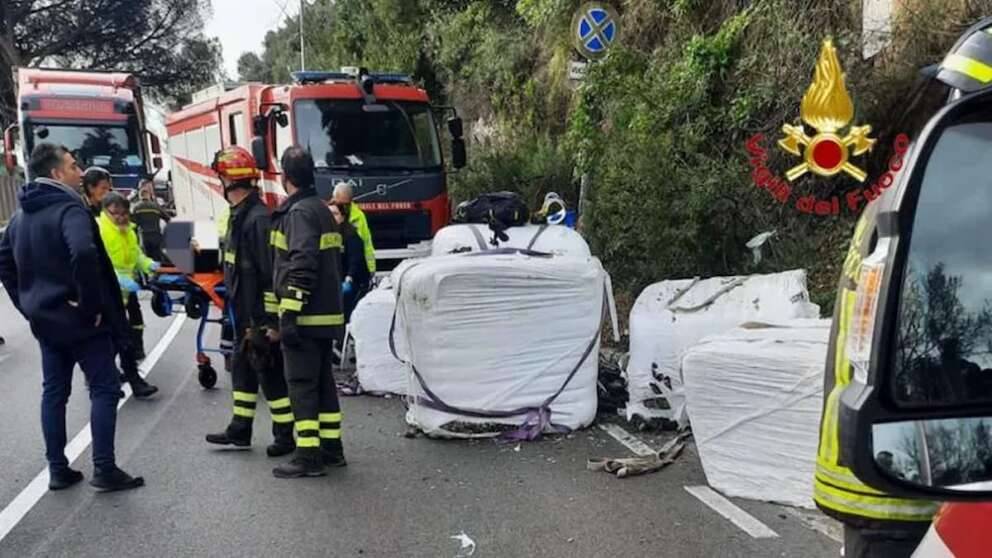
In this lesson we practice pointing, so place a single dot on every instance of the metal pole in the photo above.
(926, 472)
(303, 59)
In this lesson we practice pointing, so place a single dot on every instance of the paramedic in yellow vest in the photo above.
(120, 237)
(343, 194)
(875, 524)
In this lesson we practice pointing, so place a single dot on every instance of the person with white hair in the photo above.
(343, 197)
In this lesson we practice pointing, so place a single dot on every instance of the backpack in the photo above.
(499, 210)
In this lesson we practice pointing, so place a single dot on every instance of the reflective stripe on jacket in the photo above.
(837, 491)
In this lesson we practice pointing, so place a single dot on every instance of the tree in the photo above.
(253, 68)
(161, 41)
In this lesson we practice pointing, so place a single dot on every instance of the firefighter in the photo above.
(148, 215)
(248, 278)
(307, 281)
(343, 198)
(875, 524)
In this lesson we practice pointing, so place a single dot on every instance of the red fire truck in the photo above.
(98, 116)
(375, 131)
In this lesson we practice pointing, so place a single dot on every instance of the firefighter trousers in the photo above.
(314, 396)
(252, 368)
(137, 322)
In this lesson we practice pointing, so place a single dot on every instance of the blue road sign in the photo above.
(596, 28)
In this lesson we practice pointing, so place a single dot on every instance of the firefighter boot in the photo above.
(332, 453)
(140, 388)
(306, 463)
(237, 434)
(283, 443)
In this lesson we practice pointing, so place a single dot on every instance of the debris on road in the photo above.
(537, 379)
(633, 466)
(468, 545)
(670, 317)
(612, 384)
(755, 394)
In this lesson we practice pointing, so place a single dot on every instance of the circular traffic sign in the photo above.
(595, 27)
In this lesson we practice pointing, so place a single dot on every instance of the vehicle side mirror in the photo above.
(456, 127)
(459, 157)
(157, 163)
(10, 147)
(260, 151)
(282, 119)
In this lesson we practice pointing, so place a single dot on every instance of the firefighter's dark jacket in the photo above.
(248, 265)
(147, 215)
(307, 274)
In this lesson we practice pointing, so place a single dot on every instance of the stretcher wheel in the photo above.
(196, 308)
(207, 376)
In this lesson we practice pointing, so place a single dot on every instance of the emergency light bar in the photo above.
(314, 77)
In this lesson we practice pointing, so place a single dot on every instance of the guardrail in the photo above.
(8, 197)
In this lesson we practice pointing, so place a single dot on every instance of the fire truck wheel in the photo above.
(207, 376)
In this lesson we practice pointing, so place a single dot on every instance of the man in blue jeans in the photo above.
(57, 274)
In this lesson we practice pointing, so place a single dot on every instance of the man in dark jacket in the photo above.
(307, 281)
(58, 276)
(248, 278)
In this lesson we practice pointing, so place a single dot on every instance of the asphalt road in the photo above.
(398, 496)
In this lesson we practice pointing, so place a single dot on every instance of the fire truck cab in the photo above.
(98, 116)
(375, 131)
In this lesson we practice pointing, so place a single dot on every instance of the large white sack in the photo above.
(379, 372)
(664, 324)
(754, 398)
(553, 239)
(501, 332)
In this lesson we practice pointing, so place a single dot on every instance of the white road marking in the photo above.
(38, 487)
(818, 522)
(631, 442)
(747, 523)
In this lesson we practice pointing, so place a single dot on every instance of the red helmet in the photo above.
(235, 164)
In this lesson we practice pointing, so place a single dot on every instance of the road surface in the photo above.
(398, 497)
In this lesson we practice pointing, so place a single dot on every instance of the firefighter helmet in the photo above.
(968, 65)
(235, 164)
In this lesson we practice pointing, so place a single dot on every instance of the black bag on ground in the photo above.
(499, 210)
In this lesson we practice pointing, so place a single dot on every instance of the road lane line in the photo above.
(630, 441)
(38, 487)
(747, 522)
(820, 523)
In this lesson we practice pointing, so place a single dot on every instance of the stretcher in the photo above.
(196, 293)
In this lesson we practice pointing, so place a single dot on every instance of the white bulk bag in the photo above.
(553, 239)
(670, 317)
(754, 397)
(500, 332)
(379, 372)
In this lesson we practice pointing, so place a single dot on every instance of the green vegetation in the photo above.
(658, 127)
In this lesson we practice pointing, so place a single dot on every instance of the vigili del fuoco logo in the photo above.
(827, 110)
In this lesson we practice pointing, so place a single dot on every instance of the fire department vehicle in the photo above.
(99, 116)
(375, 131)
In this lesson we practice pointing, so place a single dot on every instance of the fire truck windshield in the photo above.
(114, 148)
(340, 134)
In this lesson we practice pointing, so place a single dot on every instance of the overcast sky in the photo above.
(241, 25)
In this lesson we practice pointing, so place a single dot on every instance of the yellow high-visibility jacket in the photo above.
(123, 248)
(357, 219)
